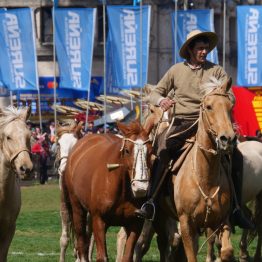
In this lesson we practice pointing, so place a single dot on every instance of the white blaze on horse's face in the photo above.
(140, 181)
(66, 143)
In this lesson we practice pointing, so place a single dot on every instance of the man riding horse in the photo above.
(181, 88)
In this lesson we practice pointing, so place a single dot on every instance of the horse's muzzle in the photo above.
(227, 143)
(139, 188)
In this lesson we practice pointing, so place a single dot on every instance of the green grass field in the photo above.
(38, 229)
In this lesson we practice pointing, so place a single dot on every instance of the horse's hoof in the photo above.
(257, 259)
(244, 258)
(227, 255)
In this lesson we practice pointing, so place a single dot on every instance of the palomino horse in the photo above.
(201, 174)
(251, 190)
(14, 161)
(110, 193)
(67, 136)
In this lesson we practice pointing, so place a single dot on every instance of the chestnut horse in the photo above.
(67, 135)
(108, 177)
(14, 162)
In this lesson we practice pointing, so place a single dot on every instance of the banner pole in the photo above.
(54, 63)
(11, 98)
(104, 37)
(175, 59)
(37, 83)
(141, 58)
(39, 110)
(224, 35)
(87, 109)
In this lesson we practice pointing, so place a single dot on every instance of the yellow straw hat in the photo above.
(212, 37)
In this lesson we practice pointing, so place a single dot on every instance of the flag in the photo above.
(18, 63)
(249, 41)
(127, 46)
(74, 40)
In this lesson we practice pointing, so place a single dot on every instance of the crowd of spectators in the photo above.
(43, 145)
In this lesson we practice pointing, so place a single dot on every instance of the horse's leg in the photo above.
(227, 251)
(90, 237)
(120, 243)
(258, 219)
(189, 237)
(64, 239)
(243, 253)
(133, 232)
(99, 231)
(79, 224)
(144, 241)
(7, 234)
(210, 246)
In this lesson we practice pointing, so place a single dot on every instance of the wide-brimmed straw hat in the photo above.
(212, 37)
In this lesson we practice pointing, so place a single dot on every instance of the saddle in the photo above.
(181, 155)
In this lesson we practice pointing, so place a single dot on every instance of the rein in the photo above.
(141, 151)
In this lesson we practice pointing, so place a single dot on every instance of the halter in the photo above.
(15, 155)
(140, 151)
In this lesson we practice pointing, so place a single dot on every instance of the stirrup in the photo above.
(151, 204)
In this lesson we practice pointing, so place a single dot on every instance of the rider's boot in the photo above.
(147, 211)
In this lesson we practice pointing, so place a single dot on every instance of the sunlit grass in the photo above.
(38, 230)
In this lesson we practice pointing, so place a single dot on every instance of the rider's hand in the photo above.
(166, 103)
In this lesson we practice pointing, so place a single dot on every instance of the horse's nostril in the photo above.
(223, 139)
(25, 169)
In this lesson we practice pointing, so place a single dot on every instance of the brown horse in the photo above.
(110, 193)
(14, 162)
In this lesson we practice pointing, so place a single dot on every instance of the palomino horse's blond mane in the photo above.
(10, 114)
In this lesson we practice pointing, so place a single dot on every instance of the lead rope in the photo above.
(158, 124)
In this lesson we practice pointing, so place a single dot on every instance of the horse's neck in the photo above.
(7, 179)
(206, 163)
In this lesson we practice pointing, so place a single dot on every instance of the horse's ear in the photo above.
(122, 127)
(148, 89)
(78, 129)
(226, 87)
(27, 113)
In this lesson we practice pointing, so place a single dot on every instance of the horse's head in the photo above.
(215, 116)
(68, 134)
(15, 138)
(136, 151)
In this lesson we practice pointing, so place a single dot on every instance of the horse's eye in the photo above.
(8, 138)
(126, 151)
(209, 107)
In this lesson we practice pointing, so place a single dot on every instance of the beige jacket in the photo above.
(183, 84)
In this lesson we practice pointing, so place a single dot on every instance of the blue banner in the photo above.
(18, 62)
(249, 40)
(127, 46)
(187, 21)
(74, 39)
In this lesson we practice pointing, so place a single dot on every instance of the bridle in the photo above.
(12, 158)
(210, 130)
(140, 153)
